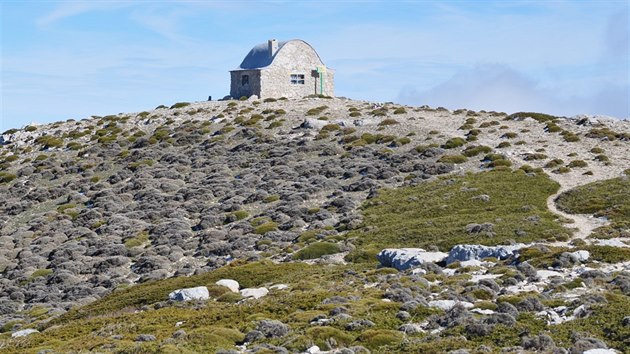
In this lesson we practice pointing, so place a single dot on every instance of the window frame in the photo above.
(297, 79)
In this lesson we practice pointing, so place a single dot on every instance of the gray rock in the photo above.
(405, 258)
(410, 328)
(198, 293)
(272, 328)
(145, 338)
(460, 253)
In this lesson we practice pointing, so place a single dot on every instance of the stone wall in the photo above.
(295, 58)
(237, 89)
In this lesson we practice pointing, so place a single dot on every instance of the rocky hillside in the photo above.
(315, 225)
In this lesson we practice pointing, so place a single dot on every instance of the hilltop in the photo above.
(523, 221)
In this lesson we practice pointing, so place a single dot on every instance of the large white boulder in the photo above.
(405, 258)
(23, 332)
(461, 253)
(230, 284)
(449, 304)
(581, 255)
(198, 293)
(256, 293)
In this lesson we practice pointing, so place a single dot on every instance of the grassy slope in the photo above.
(609, 198)
(436, 213)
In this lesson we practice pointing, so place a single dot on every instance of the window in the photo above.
(297, 79)
(244, 80)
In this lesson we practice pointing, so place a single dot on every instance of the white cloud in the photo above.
(501, 88)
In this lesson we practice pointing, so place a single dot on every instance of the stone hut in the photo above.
(282, 69)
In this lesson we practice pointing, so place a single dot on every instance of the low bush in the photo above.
(454, 143)
(386, 122)
(577, 163)
(180, 105)
(455, 159)
(316, 250)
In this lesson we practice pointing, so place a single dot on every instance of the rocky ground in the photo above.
(106, 203)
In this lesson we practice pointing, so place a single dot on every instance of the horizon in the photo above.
(74, 59)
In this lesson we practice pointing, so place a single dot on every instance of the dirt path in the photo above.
(583, 223)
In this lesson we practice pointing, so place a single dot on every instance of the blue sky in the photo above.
(73, 59)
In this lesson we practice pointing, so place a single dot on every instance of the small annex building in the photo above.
(289, 69)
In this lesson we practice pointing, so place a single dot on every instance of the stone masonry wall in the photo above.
(237, 90)
(295, 57)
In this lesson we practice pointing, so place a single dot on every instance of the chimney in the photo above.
(273, 47)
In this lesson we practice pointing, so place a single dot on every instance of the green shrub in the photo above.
(322, 335)
(554, 163)
(377, 338)
(453, 143)
(271, 198)
(30, 128)
(503, 145)
(577, 163)
(275, 124)
(388, 121)
(269, 99)
(489, 124)
(597, 150)
(49, 141)
(404, 141)
(552, 128)
(180, 105)
(601, 158)
(241, 214)
(138, 240)
(41, 273)
(535, 156)
(316, 250)
(330, 127)
(540, 117)
(475, 150)
(316, 111)
(603, 133)
(400, 110)
(562, 170)
(266, 227)
(456, 159)
(509, 135)
(569, 136)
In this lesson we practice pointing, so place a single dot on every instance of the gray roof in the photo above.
(259, 56)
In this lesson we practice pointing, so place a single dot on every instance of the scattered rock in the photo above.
(272, 328)
(23, 332)
(198, 293)
(469, 252)
(145, 338)
(449, 304)
(255, 293)
(405, 258)
(230, 284)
